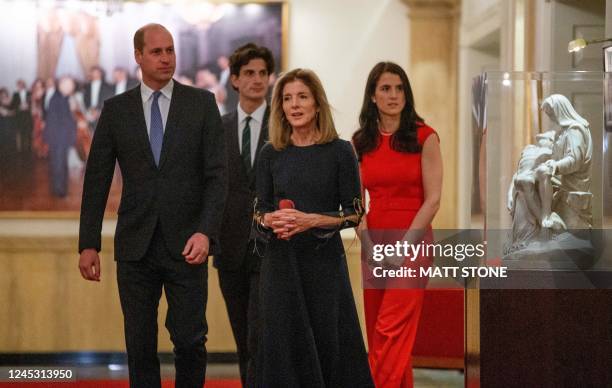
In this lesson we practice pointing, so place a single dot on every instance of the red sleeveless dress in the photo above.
(395, 186)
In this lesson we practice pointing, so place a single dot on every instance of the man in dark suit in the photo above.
(20, 104)
(168, 140)
(246, 130)
(95, 92)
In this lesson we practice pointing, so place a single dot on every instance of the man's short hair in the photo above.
(244, 54)
(140, 34)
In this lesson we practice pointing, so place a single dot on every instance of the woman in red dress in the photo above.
(401, 168)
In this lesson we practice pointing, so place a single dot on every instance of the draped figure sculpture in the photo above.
(550, 193)
(524, 202)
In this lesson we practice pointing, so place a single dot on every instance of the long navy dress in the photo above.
(310, 329)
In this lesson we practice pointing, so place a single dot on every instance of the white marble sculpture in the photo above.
(524, 201)
(550, 192)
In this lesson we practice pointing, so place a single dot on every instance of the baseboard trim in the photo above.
(438, 362)
(97, 358)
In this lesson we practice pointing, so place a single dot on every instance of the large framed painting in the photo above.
(83, 51)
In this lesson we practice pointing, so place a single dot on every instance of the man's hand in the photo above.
(196, 249)
(89, 264)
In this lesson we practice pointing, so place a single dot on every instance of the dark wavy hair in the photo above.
(244, 54)
(366, 139)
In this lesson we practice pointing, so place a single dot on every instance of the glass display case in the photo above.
(541, 171)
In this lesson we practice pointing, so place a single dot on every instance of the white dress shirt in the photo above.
(48, 94)
(95, 92)
(23, 99)
(163, 101)
(255, 124)
(120, 87)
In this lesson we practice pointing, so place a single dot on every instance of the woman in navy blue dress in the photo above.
(310, 329)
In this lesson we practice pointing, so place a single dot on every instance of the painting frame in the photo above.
(111, 213)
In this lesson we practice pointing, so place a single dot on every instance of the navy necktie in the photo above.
(246, 144)
(156, 136)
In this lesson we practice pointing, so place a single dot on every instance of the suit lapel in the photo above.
(234, 145)
(141, 125)
(235, 148)
(263, 137)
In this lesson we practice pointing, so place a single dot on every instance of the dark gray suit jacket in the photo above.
(236, 226)
(106, 92)
(185, 194)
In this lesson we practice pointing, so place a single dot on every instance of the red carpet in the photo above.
(115, 384)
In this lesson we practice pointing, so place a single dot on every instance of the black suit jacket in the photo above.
(238, 215)
(185, 194)
(23, 118)
(106, 91)
(16, 101)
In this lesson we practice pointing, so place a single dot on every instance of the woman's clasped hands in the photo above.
(288, 222)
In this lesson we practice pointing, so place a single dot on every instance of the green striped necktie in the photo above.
(246, 144)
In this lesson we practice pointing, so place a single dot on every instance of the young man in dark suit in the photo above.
(246, 130)
(168, 140)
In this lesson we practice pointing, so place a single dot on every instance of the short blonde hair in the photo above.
(279, 127)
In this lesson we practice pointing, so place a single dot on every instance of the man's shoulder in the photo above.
(120, 100)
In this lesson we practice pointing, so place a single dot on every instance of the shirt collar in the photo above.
(146, 92)
(257, 115)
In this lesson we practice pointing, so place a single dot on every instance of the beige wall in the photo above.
(341, 41)
(45, 305)
(433, 71)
